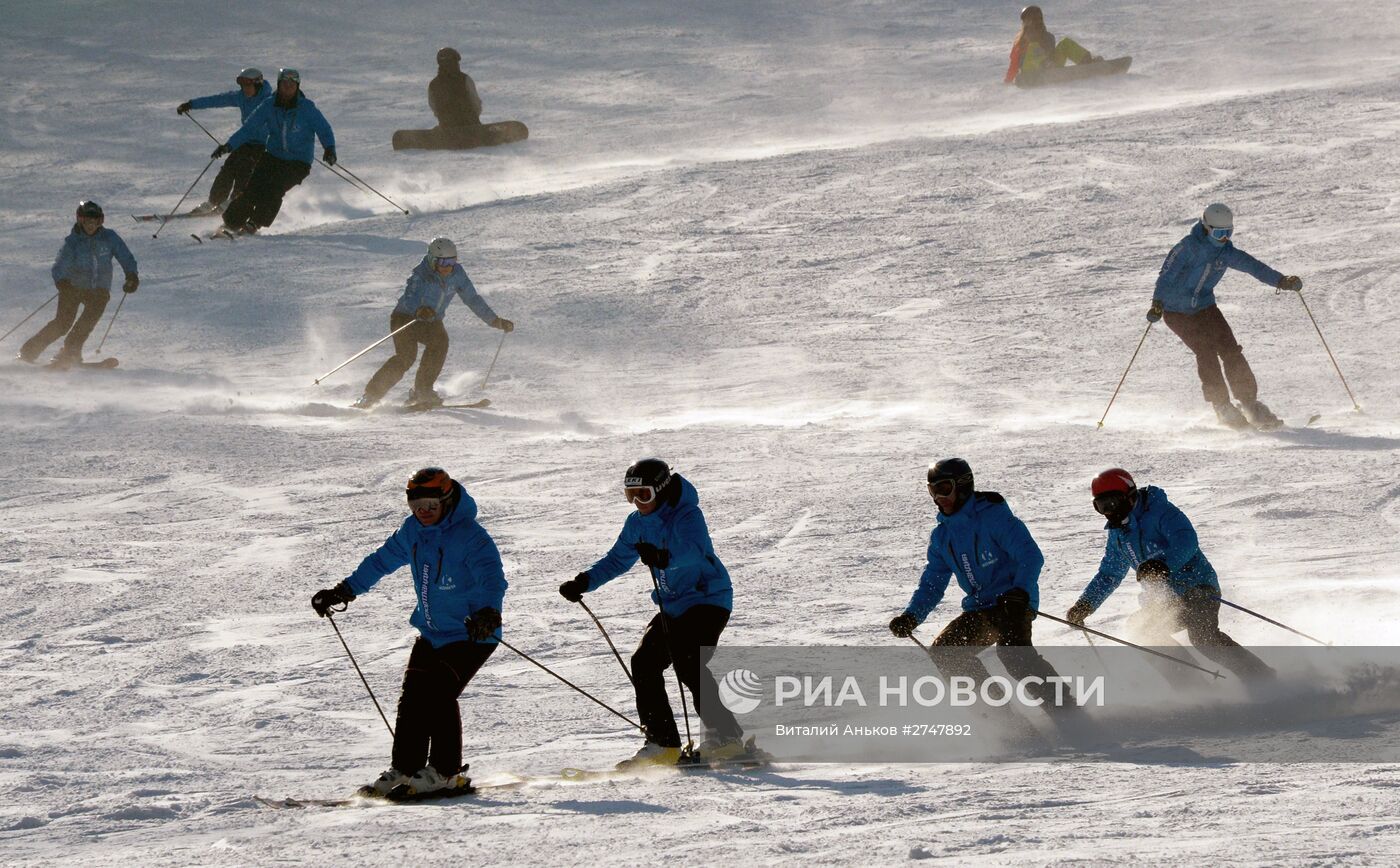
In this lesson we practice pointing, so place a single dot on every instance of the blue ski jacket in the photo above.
(288, 133)
(1186, 283)
(86, 260)
(234, 99)
(1155, 530)
(456, 571)
(427, 288)
(990, 551)
(694, 575)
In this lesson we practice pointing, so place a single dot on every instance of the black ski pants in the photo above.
(259, 203)
(432, 335)
(1198, 612)
(235, 173)
(67, 320)
(1010, 632)
(428, 728)
(1209, 336)
(693, 634)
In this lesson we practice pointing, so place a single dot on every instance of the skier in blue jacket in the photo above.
(1185, 298)
(425, 298)
(997, 564)
(238, 168)
(667, 533)
(459, 586)
(1180, 590)
(288, 125)
(82, 274)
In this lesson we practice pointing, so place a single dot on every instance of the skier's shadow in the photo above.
(867, 787)
(1309, 438)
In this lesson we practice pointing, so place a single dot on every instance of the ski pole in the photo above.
(1094, 632)
(915, 640)
(570, 683)
(1269, 620)
(675, 663)
(1125, 374)
(363, 680)
(28, 318)
(1354, 405)
(609, 640)
(493, 359)
(362, 183)
(121, 301)
(203, 127)
(318, 380)
(1097, 655)
(166, 218)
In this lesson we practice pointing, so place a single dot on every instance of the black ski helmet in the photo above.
(648, 471)
(956, 469)
(1033, 14)
(448, 55)
(89, 208)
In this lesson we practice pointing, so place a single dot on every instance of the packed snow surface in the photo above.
(799, 249)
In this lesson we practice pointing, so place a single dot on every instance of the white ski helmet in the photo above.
(1218, 216)
(441, 248)
(251, 74)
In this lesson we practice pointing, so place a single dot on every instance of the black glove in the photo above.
(1154, 313)
(1154, 570)
(1012, 609)
(1292, 283)
(132, 281)
(903, 625)
(219, 152)
(325, 600)
(574, 589)
(482, 624)
(183, 108)
(652, 556)
(425, 313)
(328, 157)
(1078, 612)
(504, 325)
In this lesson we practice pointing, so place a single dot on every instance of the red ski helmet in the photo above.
(1114, 479)
(429, 482)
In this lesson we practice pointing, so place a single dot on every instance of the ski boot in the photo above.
(1230, 416)
(651, 754)
(1260, 416)
(390, 780)
(66, 359)
(365, 403)
(27, 358)
(430, 780)
(423, 400)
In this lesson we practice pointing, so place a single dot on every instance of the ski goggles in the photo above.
(640, 495)
(445, 262)
(1221, 233)
(288, 74)
(426, 503)
(942, 488)
(1111, 503)
(242, 80)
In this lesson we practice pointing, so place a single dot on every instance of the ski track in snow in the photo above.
(799, 250)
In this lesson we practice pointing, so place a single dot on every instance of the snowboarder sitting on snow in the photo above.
(238, 168)
(82, 273)
(1185, 298)
(1148, 533)
(452, 94)
(288, 125)
(425, 298)
(667, 533)
(1035, 48)
(997, 564)
(459, 586)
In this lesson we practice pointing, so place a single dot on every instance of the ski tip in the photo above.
(196, 237)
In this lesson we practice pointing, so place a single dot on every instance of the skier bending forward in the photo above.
(459, 585)
(667, 532)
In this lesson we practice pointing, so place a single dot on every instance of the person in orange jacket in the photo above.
(1036, 48)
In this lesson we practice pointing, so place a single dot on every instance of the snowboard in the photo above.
(1063, 74)
(460, 138)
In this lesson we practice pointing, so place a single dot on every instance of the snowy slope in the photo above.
(799, 249)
